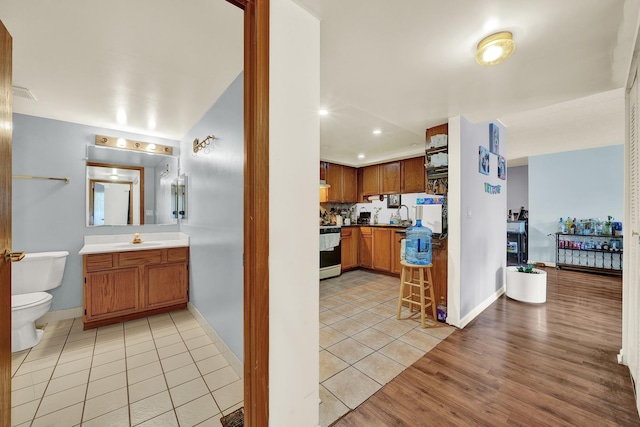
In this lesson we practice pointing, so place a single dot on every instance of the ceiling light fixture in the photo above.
(114, 177)
(377, 132)
(323, 112)
(494, 49)
(361, 156)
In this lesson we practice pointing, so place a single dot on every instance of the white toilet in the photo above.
(30, 278)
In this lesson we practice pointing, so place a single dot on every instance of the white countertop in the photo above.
(122, 242)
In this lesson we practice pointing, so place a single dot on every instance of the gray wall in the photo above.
(215, 215)
(518, 188)
(483, 225)
(581, 184)
(50, 215)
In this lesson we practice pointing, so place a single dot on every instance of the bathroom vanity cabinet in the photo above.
(120, 286)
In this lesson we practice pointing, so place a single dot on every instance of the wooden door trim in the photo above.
(5, 224)
(256, 210)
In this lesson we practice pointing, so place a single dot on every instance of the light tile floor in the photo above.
(362, 344)
(157, 371)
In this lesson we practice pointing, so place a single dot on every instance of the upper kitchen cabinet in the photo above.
(362, 198)
(413, 175)
(370, 180)
(389, 174)
(343, 183)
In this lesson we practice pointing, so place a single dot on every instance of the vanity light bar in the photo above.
(128, 144)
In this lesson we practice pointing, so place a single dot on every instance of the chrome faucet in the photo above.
(408, 216)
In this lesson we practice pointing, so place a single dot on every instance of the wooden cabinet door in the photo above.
(361, 197)
(346, 242)
(389, 178)
(366, 247)
(439, 270)
(165, 284)
(334, 179)
(396, 247)
(370, 181)
(323, 171)
(413, 175)
(111, 293)
(382, 249)
(349, 185)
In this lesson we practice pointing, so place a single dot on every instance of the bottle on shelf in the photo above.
(561, 227)
(573, 226)
(567, 224)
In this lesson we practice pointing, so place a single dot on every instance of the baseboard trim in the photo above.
(58, 315)
(229, 356)
(480, 308)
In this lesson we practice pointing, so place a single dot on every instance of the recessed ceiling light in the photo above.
(494, 49)
(377, 131)
(323, 112)
(121, 116)
(361, 156)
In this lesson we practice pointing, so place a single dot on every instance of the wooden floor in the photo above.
(552, 364)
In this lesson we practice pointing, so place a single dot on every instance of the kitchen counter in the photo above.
(122, 242)
(378, 225)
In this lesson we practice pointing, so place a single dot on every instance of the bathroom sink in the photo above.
(138, 245)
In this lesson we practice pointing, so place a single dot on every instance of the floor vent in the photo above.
(234, 419)
(23, 92)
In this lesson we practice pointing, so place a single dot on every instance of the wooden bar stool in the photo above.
(415, 290)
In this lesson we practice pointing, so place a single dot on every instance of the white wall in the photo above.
(477, 254)
(581, 184)
(214, 223)
(294, 153)
(518, 189)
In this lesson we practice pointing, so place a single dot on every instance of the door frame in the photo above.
(6, 120)
(256, 210)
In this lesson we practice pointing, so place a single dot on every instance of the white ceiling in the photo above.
(397, 66)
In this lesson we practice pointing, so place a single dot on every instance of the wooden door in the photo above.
(389, 178)
(366, 247)
(413, 175)
(334, 179)
(382, 249)
(370, 180)
(349, 185)
(396, 247)
(5, 224)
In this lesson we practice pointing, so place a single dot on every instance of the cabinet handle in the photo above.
(634, 233)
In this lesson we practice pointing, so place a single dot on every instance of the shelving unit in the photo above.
(437, 176)
(517, 243)
(597, 254)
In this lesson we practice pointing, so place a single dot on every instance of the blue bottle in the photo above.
(418, 244)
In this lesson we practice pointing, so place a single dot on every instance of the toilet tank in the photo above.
(38, 272)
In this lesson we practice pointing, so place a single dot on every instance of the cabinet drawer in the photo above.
(136, 258)
(96, 262)
(177, 254)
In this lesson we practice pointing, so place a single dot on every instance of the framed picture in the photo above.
(484, 161)
(494, 138)
(393, 201)
(502, 168)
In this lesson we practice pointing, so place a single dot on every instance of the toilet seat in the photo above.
(22, 301)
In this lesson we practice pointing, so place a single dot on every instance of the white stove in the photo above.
(330, 251)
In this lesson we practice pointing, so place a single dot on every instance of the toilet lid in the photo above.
(28, 300)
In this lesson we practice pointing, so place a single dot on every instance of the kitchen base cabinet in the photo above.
(439, 273)
(382, 249)
(396, 248)
(366, 247)
(122, 286)
(350, 238)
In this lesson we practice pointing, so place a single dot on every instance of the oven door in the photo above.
(331, 258)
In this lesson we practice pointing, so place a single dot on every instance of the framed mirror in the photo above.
(179, 197)
(129, 188)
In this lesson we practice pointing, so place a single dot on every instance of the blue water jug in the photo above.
(418, 244)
